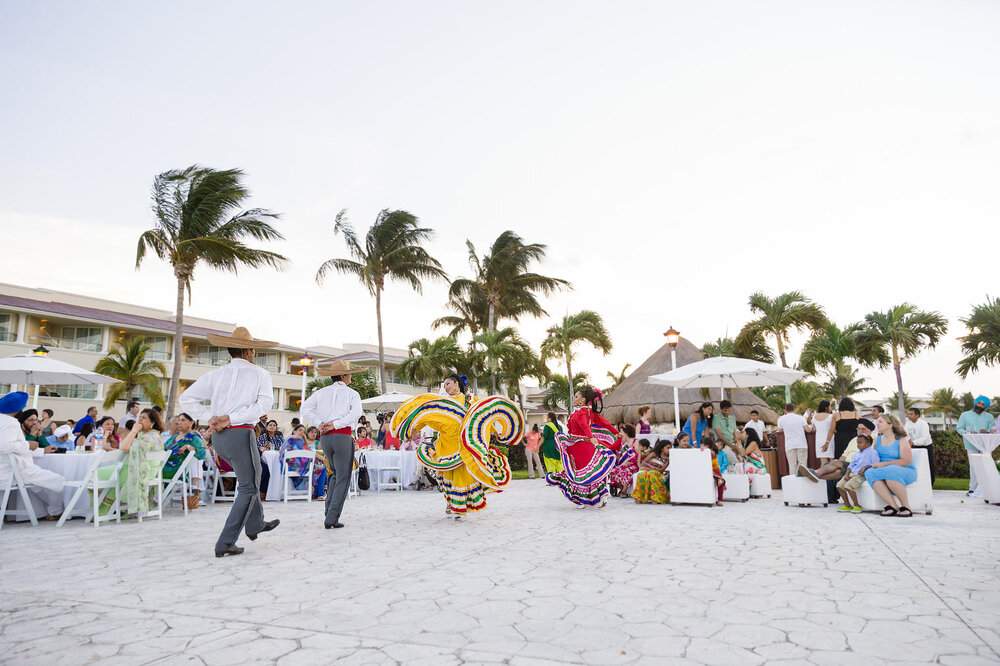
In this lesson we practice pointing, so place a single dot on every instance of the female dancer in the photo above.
(463, 454)
(589, 452)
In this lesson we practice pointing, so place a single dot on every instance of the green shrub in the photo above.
(515, 455)
(950, 459)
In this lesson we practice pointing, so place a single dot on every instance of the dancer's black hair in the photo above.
(592, 398)
(461, 380)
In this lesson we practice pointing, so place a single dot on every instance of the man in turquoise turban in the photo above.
(976, 420)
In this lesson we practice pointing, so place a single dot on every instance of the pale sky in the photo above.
(675, 156)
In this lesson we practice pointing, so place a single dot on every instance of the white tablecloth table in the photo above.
(275, 486)
(377, 459)
(70, 466)
(986, 469)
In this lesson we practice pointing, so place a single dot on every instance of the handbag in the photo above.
(364, 482)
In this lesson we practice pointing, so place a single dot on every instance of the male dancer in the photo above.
(239, 393)
(334, 409)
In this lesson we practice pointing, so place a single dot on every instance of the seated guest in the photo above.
(62, 438)
(81, 438)
(391, 441)
(854, 476)
(48, 427)
(835, 469)
(415, 439)
(895, 469)
(720, 481)
(364, 441)
(31, 427)
(320, 469)
(650, 484)
(184, 441)
(296, 442)
(131, 411)
(137, 473)
(682, 441)
(47, 485)
(269, 440)
(620, 478)
(90, 418)
(104, 437)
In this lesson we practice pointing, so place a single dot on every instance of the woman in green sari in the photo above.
(136, 473)
(550, 453)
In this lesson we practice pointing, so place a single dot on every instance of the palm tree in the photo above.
(807, 394)
(430, 362)
(128, 364)
(756, 349)
(559, 390)
(842, 380)
(830, 347)
(363, 382)
(617, 379)
(517, 365)
(494, 346)
(197, 221)
(946, 403)
(501, 279)
(471, 314)
(584, 326)
(907, 401)
(392, 250)
(777, 317)
(982, 344)
(902, 331)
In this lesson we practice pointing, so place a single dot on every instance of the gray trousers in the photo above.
(339, 452)
(237, 447)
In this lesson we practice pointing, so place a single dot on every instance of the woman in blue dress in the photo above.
(895, 469)
(698, 423)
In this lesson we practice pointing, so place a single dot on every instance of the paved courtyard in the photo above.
(533, 581)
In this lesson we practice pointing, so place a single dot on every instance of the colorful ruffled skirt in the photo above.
(650, 487)
(622, 474)
(585, 485)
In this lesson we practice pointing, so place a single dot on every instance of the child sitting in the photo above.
(649, 484)
(720, 482)
(682, 441)
(854, 476)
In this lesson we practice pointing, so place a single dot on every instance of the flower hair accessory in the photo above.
(463, 378)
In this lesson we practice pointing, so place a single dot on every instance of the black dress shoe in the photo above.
(268, 526)
(334, 525)
(232, 550)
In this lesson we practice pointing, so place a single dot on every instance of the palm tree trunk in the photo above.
(899, 384)
(381, 349)
(493, 377)
(784, 364)
(175, 374)
(569, 379)
(493, 318)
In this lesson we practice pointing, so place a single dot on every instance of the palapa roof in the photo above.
(624, 402)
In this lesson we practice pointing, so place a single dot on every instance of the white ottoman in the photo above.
(920, 492)
(737, 487)
(798, 490)
(760, 485)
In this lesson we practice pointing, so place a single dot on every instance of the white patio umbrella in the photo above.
(727, 372)
(389, 400)
(42, 370)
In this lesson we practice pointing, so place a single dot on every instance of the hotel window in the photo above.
(159, 348)
(79, 391)
(212, 355)
(270, 361)
(8, 333)
(274, 398)
(81, 337)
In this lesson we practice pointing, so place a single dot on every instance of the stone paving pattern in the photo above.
(534, 580)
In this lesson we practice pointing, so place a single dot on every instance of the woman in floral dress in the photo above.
(136, 473)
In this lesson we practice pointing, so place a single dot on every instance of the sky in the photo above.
(674, 156)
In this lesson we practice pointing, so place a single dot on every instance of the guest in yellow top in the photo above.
(464, 455)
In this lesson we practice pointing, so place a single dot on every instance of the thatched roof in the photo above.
(624, 402)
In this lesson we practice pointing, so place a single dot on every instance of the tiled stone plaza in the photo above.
(532, 581)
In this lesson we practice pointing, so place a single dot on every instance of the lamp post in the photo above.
(40, 350)
(304, 363)
(673, 339)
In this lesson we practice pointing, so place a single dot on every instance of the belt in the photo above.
(339, 431)
(240, 427)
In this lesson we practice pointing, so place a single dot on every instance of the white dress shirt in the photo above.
(240, 390)
(919, 432)
(758, 426)
(12, 441)
(794, 427)
(337, 403)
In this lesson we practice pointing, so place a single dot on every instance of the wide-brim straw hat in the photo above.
(240, 339)
(334, 369)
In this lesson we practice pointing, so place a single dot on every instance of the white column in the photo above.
(22, 327)
(106, 338)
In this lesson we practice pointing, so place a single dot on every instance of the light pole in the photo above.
(40, 350)
(304, 363)
(673, 339)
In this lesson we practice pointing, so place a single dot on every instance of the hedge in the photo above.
(950, 459)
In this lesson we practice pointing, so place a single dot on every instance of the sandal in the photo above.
(900, 514)
(888, 511)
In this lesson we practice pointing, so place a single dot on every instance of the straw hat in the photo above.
(240, 339)
(334, 369)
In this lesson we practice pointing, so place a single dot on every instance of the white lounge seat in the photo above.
(920, 493)
(760, 485)
(691, 480)
(737, 487)
(800, 491)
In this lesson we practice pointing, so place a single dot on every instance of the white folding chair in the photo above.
(157, 458)
(210, 478)
(99, 488)
(219, 494)
(181, 480)
(359, 462)
(286, 487)
(392, 461)
(14, 480)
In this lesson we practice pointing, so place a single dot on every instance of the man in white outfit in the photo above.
(42, 482)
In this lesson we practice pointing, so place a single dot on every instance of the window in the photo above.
(81, 337)
(8, 333)
(81, 391)
(212, 355)
(274, 399)
(270, 361)
(159, 348)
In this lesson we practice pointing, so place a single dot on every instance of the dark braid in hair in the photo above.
(592, 398)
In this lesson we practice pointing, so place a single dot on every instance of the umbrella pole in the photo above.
(34, 403)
